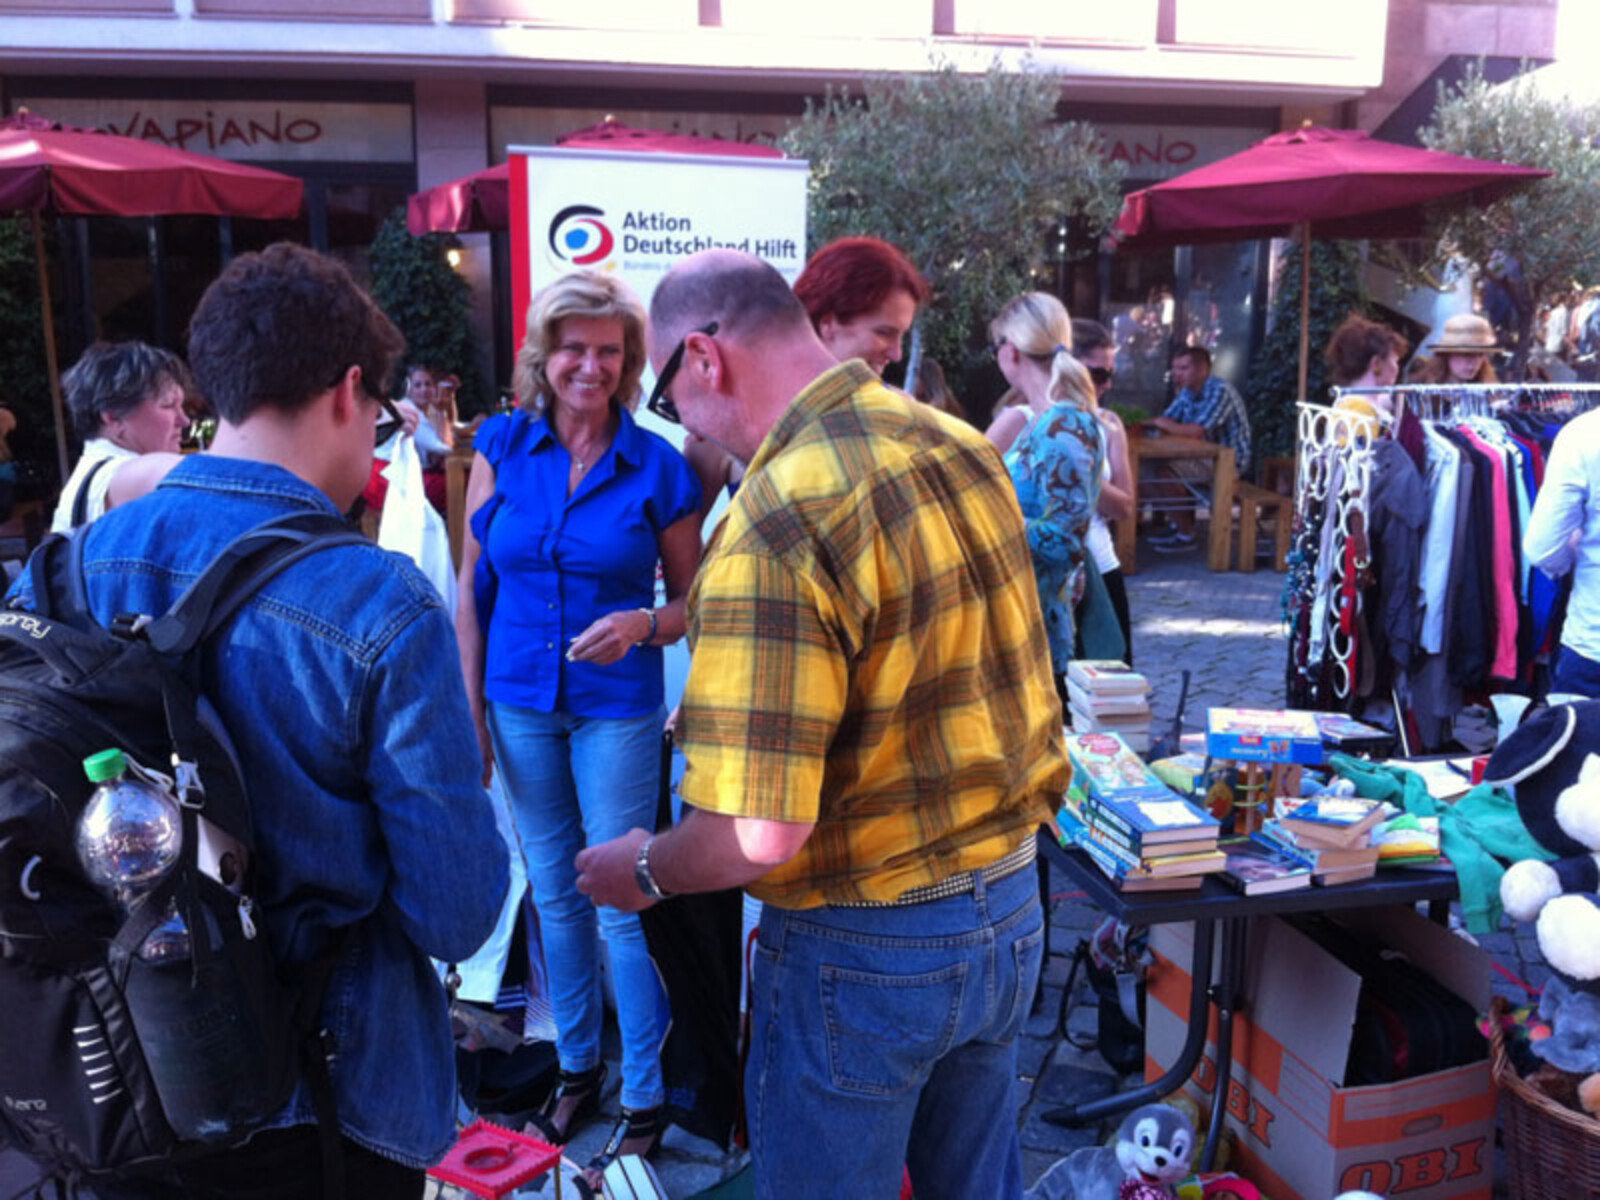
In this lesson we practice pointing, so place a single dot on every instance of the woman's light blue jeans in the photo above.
(577, 781)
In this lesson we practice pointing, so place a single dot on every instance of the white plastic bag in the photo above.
(412, 526)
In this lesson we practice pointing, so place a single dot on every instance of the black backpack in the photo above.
(111, 1065)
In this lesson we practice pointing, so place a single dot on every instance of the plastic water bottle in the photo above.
(129, 837)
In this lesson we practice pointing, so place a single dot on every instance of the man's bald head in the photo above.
(743, 295)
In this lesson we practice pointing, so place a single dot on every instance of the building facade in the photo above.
(369, 100)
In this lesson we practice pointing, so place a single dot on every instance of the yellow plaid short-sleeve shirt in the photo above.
(868, 651)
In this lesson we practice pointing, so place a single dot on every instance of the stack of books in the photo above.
(1141, 833)
(1333, 833)
(1107, 696)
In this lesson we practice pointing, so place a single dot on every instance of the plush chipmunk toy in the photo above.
(1149, 1155)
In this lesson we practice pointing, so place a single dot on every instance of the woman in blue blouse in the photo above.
(572, 506)
(1056, 454)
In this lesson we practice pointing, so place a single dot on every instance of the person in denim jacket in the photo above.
(338, 683)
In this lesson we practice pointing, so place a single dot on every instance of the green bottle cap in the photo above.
(108, 764)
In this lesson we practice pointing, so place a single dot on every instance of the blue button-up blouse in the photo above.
(560, 562)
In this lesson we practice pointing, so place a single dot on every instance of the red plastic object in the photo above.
(492, 1162)
(1479, 765)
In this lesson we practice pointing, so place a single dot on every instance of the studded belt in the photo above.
(959, 885)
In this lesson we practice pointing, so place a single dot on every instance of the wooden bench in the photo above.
(1253, 502)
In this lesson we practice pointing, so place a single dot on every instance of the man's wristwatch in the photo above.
(641, 872)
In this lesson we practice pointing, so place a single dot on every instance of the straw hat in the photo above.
(1466, 333)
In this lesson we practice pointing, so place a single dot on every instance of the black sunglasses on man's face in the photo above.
(659, 403)
(391, 419)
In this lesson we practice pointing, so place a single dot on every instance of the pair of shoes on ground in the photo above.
(1174, 542)
(637, 1131)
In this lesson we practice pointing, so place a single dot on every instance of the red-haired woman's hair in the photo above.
(854, 275)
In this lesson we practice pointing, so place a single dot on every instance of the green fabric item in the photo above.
(1099, 630)
(1478, 833)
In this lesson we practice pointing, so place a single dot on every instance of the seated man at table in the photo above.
(1207, 407)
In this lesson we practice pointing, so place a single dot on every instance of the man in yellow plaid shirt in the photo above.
(872, 737)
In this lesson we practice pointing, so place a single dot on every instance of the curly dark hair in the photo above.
(283, 324)
(114, 378)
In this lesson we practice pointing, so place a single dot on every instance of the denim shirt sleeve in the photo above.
(448, 860)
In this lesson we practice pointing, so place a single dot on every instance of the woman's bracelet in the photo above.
(651, 636)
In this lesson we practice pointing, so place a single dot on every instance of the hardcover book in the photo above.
(1333, 820)
(1107, 703)
(1257, 865)
(1278, 735)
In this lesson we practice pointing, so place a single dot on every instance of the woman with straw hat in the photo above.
(1461, 355)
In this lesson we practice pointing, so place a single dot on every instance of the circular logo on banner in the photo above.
(578, 235)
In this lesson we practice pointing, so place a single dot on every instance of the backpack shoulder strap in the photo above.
(80, 502)
(245, 565)
(55, 575)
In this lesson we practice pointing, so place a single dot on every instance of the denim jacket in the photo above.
(340, 685)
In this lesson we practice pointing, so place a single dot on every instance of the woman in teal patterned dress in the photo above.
(1056, 453)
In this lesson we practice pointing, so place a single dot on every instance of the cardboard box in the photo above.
(1300, 1134)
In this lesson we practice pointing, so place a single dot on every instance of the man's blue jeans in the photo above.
(888, 1035)
(577, 781)
(1576, 674)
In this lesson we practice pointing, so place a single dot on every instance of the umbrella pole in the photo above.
(50, 347)
(1305, 304)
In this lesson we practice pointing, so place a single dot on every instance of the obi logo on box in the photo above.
(1423, 1169)
(1252, 1115)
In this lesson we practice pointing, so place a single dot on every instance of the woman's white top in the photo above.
(95, 450)
(1098, 541)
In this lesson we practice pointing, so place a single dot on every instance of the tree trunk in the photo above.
(914, 356)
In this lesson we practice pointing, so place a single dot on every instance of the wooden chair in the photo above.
(1279, 472)
(1253, 501)
(456, 469)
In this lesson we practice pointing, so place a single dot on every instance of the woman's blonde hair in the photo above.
(1038, 326)
(580, 294)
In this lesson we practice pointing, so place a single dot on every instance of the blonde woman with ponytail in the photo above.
(1055, 451)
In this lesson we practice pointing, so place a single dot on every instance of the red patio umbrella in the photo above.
(56, 170)
(1311, 182)
(481, 202)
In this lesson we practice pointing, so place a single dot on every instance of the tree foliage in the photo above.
(24, 373)
(966, 174)
(414, 284)
(1548, 226)
(1274, 379)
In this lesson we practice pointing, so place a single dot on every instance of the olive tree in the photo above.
(967, 173)
(1548, 227)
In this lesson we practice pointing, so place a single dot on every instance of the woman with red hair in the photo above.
(862, 295)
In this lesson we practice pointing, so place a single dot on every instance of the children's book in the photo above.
(1103, 765)
(1257, 865)
(1277, 735)
(1407, 840)
(1103, 676)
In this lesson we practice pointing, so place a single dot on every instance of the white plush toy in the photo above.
(1552, 762)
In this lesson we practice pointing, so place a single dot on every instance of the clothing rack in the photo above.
(1448, 401)
(1331, 559)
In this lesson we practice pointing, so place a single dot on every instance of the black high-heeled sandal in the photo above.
(586, 1086)
(634, 1123)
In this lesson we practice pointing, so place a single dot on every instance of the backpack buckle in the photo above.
(186, 782)
(129, 625)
